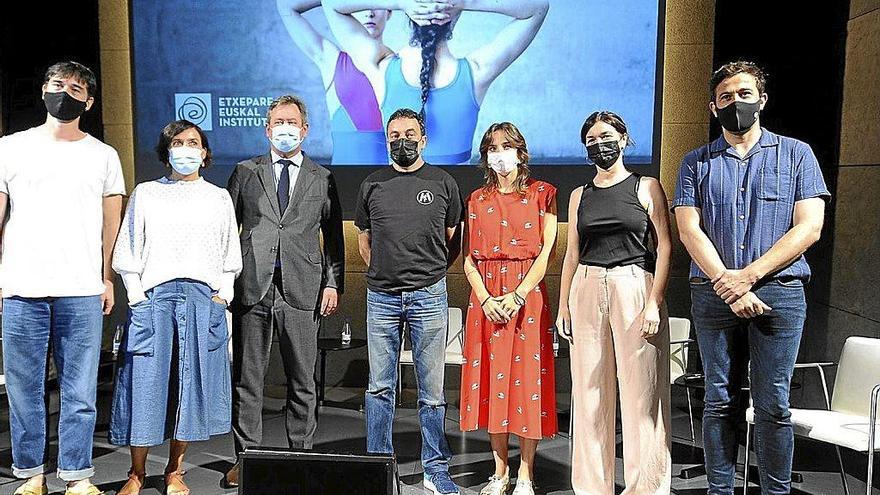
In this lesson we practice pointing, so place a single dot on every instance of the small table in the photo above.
(326, 345)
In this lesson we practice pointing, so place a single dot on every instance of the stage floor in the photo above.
(343, 429)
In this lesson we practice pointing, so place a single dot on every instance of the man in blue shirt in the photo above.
(747, 207)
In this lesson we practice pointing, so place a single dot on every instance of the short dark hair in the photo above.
(407, 113)
(175, 128)
(731, 69)
(75, 70)
(609, 118)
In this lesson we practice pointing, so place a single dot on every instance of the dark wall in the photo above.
(803, 54)
(33, 38)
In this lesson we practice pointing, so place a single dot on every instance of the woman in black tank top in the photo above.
(611, 310)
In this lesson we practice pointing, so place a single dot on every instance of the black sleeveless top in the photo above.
(613, 226)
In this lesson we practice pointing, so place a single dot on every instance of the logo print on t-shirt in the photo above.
(425, 197)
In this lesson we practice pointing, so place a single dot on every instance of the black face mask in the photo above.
(404, 152)
(739, 116)
(62, 106)
(604, 154)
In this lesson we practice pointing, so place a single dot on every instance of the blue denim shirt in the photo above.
(747, 204)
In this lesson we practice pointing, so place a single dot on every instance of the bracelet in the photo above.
(518, 299)
(485, 301)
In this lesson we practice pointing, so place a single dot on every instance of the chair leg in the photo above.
(399, 384)
(842, 471)
(570, 416)
(870, 480)
(691, 416)
(748, 458)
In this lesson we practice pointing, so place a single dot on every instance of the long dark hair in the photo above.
(427, 38)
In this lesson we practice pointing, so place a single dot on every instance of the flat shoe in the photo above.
(134, 485)
(87, 489)
(231, 478)
(174, 484)
(29, 490)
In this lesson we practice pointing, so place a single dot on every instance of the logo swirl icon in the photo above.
(194, 107)
(193, 110)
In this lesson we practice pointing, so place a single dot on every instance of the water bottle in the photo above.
(555, 343)
(346, 332)
(117, 339)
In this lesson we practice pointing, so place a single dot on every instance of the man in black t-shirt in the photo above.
(408, 218)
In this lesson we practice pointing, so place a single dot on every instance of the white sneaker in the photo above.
(497, 486)
(524, 487)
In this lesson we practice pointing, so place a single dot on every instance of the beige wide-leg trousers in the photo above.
(608, 350)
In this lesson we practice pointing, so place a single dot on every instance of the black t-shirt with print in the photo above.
(407, 215)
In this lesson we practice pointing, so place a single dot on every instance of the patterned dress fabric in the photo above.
(508, 383)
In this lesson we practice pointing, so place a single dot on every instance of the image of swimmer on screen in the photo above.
(425, 75)
(356, 124)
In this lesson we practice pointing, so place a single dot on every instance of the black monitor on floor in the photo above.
(279, 471)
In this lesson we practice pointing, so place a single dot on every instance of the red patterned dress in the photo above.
(507, 381)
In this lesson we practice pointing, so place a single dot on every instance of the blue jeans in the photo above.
(770, 343)
(73, 325)
(424, 312)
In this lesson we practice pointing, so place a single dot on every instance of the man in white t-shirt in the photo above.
(62, 190)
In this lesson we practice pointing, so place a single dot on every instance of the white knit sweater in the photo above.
(178, 229)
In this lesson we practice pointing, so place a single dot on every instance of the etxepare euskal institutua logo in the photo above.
(232, 111)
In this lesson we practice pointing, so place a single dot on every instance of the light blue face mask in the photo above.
(185, 160)
(286, 137)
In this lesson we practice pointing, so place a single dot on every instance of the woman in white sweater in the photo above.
(178, 254)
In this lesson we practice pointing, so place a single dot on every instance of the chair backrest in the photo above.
(679, 329)
(857, 373)
(454, 331)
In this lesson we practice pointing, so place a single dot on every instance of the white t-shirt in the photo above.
(52, 240)
(178, 229)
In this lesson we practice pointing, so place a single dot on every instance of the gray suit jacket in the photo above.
(314, 212)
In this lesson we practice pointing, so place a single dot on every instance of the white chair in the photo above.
(850, 419)
(679, 341)
(454, 342)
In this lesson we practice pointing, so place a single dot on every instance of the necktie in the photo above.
(284, 185)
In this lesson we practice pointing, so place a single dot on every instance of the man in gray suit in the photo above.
(286, 205)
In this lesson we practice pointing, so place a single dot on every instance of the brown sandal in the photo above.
(174, 484)
(134, 485)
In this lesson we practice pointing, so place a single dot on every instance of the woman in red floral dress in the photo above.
(507, 383)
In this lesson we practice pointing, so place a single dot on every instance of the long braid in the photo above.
(428, 38)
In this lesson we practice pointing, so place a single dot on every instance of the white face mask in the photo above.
(185, 160)
(503, 162)
(286, 137)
